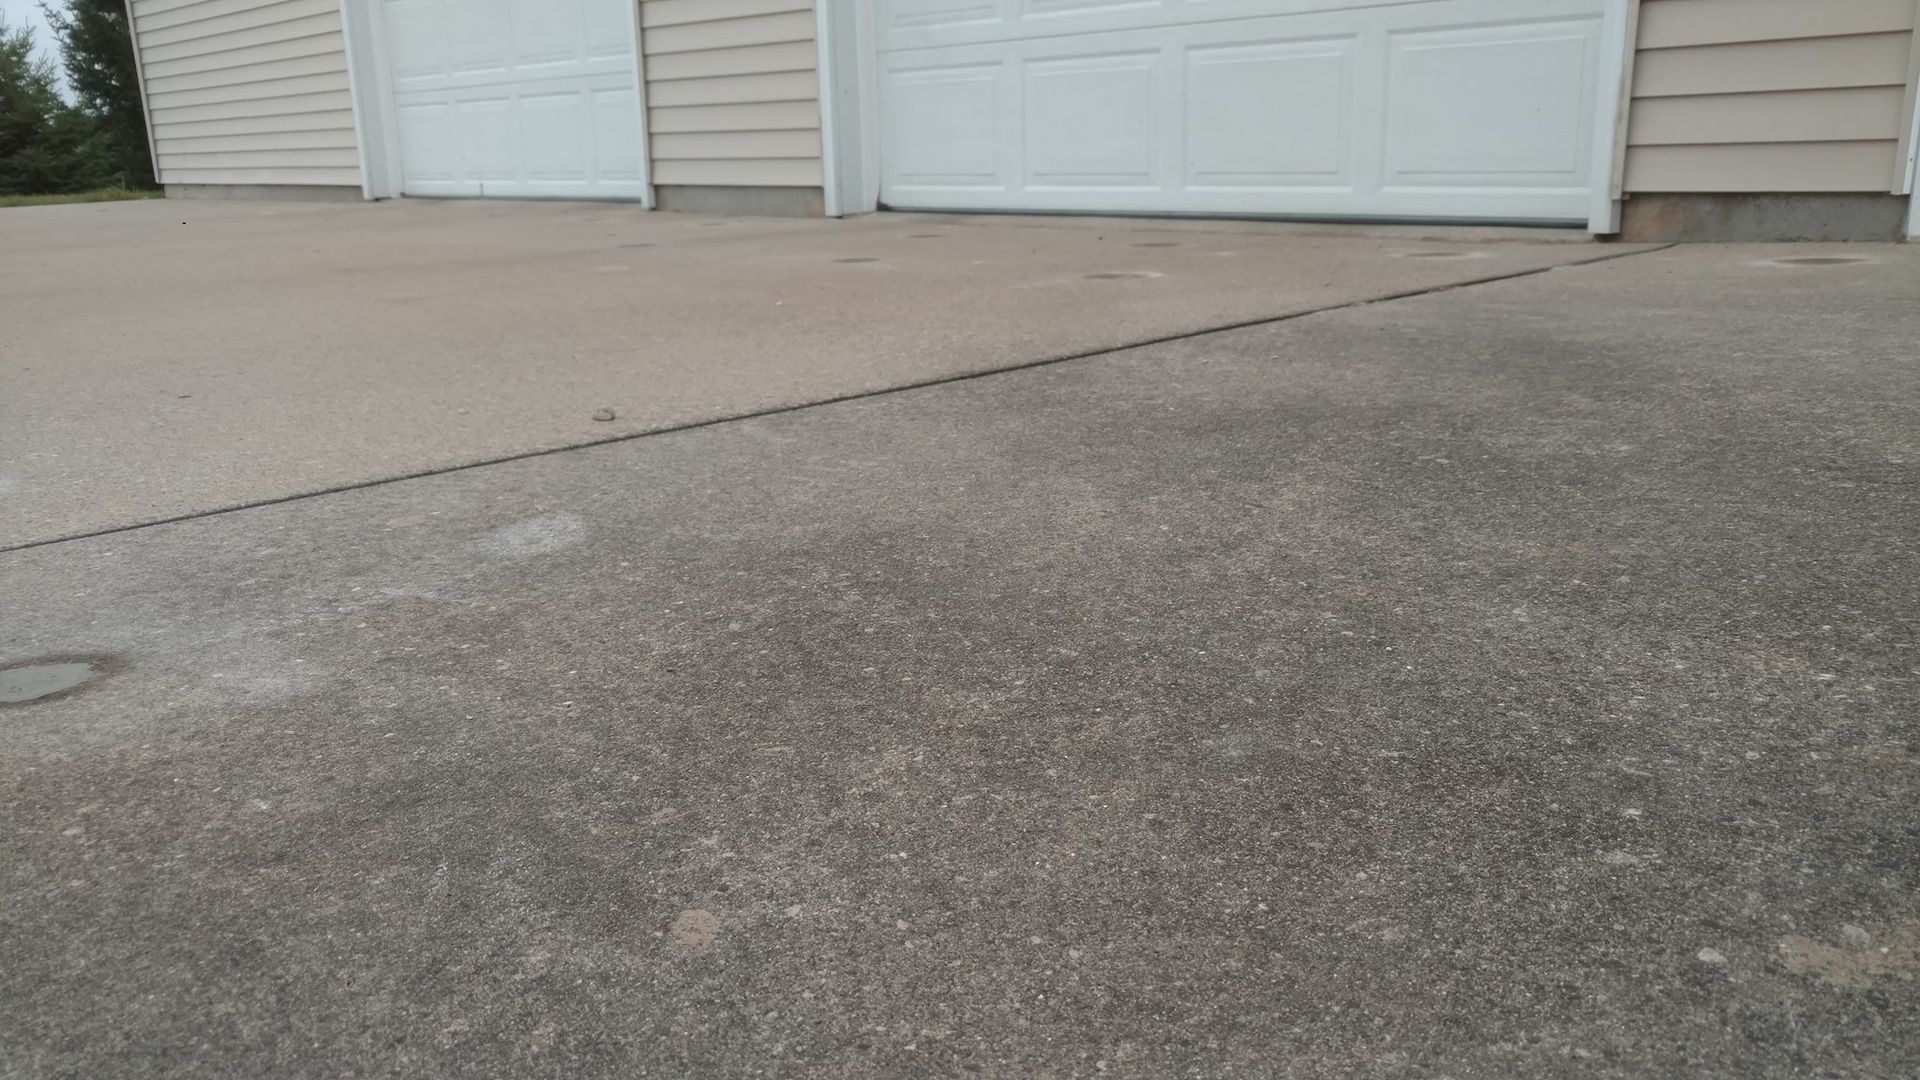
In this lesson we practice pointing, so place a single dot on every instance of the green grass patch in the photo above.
(102, 195)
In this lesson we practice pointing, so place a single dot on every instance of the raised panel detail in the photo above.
(616, 136)
(433, 149)
(1275, 114)
(943, 132)
(542, 32)
(415, 48)
(921, 14)
(1089, 121)
(553, 136)
(1490, 105)
(477, 35)
(488, 148)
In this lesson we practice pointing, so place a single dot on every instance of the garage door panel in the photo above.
(616, 138)
(1274, 115)
(1437, 108)
(428, 131)
(554, 136)
(516, 98)
(489, 139)
(1491, 105)
(416, 50)
(1090, 121)
(608, 26)
(541, 35)
(961, 152)
(903, 18)
(478, 39)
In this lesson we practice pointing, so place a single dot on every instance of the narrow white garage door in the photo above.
(515, 98)
(1479, 109)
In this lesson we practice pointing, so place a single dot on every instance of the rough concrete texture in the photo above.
(258, 350)
(1476, 685)
(1764, 218)
(729, 199)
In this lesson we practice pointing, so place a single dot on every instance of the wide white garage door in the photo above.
(1479, 109)
(515, 98)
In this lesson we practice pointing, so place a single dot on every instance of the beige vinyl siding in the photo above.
(247, 91)
(733, 94)
(1770, 95)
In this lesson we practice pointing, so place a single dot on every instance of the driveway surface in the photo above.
(254, 350)
(1510, 681)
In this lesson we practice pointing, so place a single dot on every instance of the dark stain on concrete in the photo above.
(47, 678)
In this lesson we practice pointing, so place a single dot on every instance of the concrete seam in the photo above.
(858, 395)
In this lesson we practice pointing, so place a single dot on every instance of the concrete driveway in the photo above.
(168, 358)
(1508, 681)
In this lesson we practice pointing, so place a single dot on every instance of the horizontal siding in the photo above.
(248, 67)
(248, 91)
(306, 157)
(746, 60)
(733, 94)
(681, 12)
(781, 172)
(1769, 95)
(1833, 166)
(1843, 115)
(160, 16)
(784, 28)
(1667, 24)
(751, 116)
(279, 105)
(225, 44)
(324, 121)
(244, 24)
(1758, 66)
(771, 88)
(722, 145)
(281, 174)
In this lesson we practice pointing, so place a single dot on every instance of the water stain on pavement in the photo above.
(535, 536)
(1864, 956)
(48, 677)
(694, 930)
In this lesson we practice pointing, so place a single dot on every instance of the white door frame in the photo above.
(849, 109)
(1613, 98)
(849, 106)
(373, 110)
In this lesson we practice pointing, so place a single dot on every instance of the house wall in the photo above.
(247, 92)
(733, 103)
(1771, 96)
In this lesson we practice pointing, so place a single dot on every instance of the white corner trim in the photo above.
(823, 31)
(648, 198)
(1913, 177)
(1612, 102)
(372, 99)
(1910, 175)
(146, 108)
(849, 119)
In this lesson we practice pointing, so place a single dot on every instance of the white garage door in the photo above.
(1479, 109)
(515, 98)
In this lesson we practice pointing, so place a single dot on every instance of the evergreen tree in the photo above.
(28, 104)
(97, 45)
